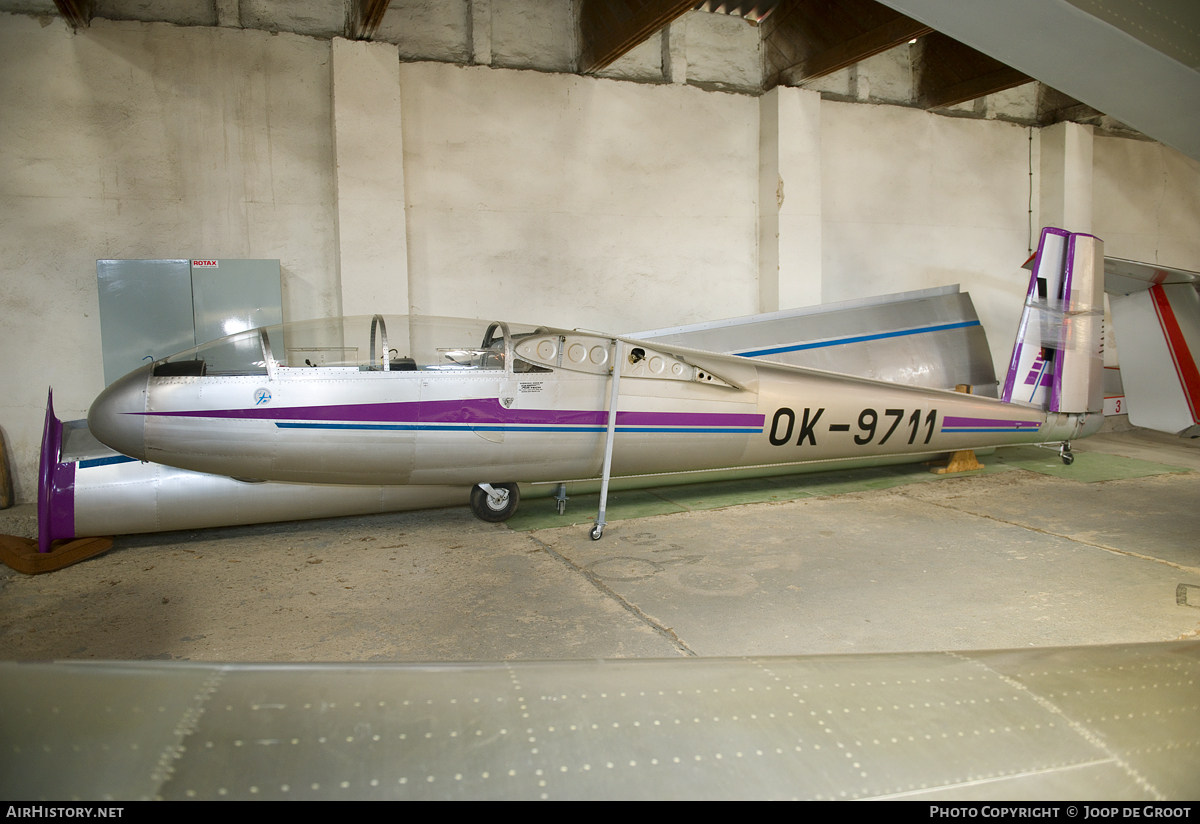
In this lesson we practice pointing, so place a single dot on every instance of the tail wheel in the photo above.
(1064, 451)
(496, 503)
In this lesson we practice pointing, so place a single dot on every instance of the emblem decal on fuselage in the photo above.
(262, 395)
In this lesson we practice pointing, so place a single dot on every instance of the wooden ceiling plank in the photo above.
(598, 17)
(867, 44)
(950, 72)
(602, 44)
(793, 35)
(78, 13)
(828, 24)
(817, 37)
(975, 87)
(365, 17)
(780, 15)
(625, 30)
(843, 20)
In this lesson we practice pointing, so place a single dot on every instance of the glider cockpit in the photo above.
(357, 344)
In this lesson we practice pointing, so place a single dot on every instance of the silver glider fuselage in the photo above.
(528, 405)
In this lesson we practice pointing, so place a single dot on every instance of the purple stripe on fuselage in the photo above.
(471, 411)
(951, 421)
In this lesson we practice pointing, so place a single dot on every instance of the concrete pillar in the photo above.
(1065, 170)
(674, 52)
(789, 203)
(481, 32)
(368, 149)
(229, 14)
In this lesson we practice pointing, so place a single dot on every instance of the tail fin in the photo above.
(1057, 360)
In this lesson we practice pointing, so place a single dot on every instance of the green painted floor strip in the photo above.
(541, 513)
(1089, 467)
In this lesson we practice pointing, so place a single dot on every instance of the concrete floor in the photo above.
(1025, 553)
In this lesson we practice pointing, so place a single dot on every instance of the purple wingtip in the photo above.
(56, 484)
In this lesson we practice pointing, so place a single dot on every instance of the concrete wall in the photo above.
(913, 200)
(136, 140)
(527, 195)
(1146, 202)
(371, 241)
(577, 201)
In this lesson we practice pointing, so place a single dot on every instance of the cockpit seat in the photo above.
(180, 369)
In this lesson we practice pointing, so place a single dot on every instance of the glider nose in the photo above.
(118, 416)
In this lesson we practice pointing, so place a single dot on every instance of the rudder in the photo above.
(1057, 360)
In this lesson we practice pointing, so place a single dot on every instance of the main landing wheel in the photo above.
(494, 502)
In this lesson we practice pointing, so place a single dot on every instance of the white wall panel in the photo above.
(1146, 202)
(578, 201)
(914, 200)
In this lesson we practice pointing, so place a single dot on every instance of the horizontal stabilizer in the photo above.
(1124, 277)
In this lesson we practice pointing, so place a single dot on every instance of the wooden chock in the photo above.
(22, 554)
(964, 460)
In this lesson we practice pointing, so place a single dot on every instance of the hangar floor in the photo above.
(1023, 553)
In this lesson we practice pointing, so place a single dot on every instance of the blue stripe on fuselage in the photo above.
(799, 347)
(115, 459)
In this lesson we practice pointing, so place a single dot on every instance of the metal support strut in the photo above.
(598, 529)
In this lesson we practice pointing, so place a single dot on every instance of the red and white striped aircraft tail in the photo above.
(1158, 338)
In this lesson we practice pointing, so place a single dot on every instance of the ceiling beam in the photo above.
(950, 72)
(365, 17)
(806, 39)
(609, 29)
(78, 13)
(1090, 58)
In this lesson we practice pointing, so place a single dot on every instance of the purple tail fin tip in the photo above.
(56, 484)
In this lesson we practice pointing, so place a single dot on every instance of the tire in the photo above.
(485, 510)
